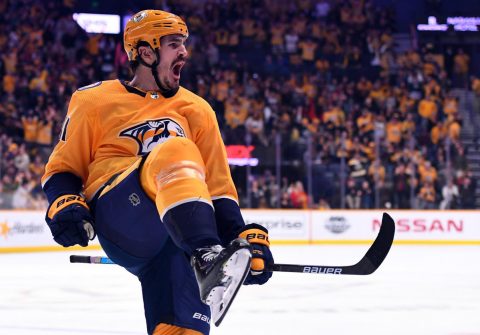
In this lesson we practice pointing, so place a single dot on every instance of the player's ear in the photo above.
(147, 54)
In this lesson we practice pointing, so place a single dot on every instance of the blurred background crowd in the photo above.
(339, 111)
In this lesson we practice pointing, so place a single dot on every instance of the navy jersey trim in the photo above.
(132, 89)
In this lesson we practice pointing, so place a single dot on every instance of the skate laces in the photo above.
(210, 253)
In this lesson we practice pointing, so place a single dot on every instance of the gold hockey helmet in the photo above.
(149, 26)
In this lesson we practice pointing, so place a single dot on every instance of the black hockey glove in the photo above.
(69, 219)
(257, 236)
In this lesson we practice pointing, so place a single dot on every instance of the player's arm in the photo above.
(230, 223)
(68, 215)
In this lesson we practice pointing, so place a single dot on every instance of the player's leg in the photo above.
(174, 177)
(131, 233)
(126, 219)
(170, 294)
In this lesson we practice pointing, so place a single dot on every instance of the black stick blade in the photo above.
(378, 251)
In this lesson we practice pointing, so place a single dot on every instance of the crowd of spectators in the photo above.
(320, 79)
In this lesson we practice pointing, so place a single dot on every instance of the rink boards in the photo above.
(23, 231)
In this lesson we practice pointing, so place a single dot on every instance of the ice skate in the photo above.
(220, 272)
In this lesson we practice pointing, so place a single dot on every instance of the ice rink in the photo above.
(418, 290)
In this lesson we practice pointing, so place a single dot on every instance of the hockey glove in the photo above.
(69, 219)
(257, 236)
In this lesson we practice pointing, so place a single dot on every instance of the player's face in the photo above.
(173, 56)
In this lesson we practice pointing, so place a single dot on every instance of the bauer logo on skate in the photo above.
(152, 132)
(202, 317)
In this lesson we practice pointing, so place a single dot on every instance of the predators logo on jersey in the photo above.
(150, 133)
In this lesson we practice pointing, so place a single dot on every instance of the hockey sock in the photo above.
(192, 225)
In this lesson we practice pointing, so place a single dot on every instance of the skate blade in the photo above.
(236, 268)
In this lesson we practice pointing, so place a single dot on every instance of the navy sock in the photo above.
(192, 225)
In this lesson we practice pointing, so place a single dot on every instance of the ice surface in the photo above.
(419, 290)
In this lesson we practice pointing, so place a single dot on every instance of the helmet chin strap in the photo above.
(167, 93)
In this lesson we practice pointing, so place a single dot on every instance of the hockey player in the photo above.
(142, 164)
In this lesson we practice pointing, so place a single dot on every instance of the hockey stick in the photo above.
(367, 265)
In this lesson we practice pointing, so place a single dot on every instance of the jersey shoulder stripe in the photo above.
(98, 93)
(98, 83)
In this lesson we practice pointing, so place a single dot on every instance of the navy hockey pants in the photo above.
(131, 233)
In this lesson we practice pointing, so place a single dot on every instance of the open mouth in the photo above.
(177, 69)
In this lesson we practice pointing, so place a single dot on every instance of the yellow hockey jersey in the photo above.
(110, 124)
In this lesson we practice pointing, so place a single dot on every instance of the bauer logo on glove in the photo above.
(257, 236)
(64, 201)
